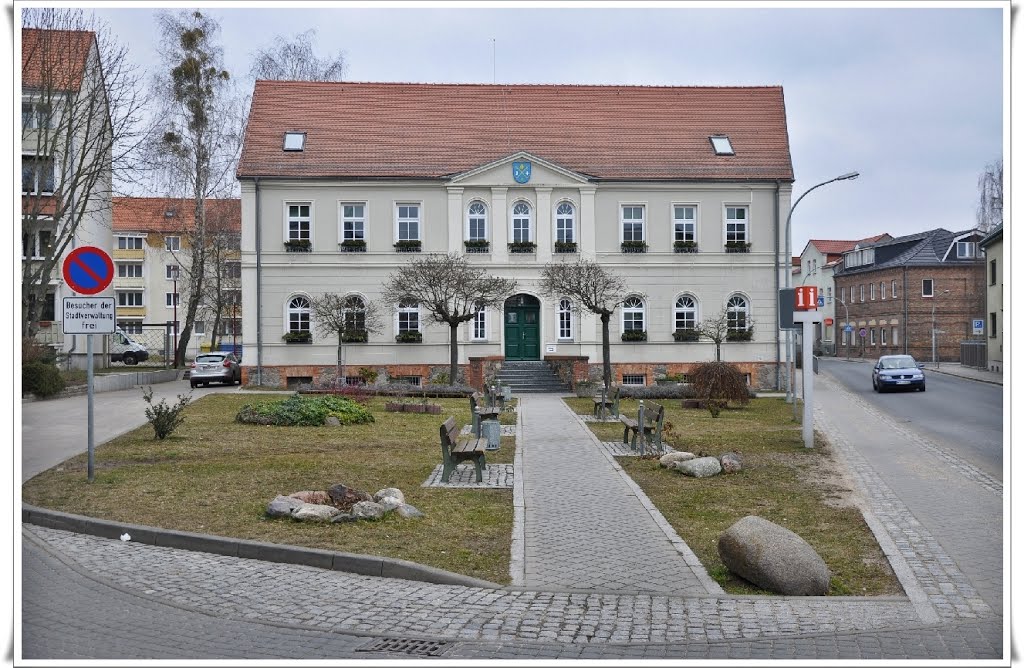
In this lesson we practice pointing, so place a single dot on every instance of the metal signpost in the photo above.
(807, 314)
(89, 270)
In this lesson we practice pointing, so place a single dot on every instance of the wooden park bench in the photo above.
(652, 418)
(608, 401)
(481, 411)
(454, 451)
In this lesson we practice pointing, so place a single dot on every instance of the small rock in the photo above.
(389, 503)
(284, 506)
(390, 491)
(319, 497)
(315, 512)
(731, 462)
(341, 518)
(671, 458)
(344, 497)
(702, 467)
(409, 512)
(773, 557)
(368, 510)
(332, 421)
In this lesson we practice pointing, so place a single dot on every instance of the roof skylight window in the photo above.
(722, 145)
(294, 141)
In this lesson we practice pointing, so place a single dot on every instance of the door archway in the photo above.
(522, 327)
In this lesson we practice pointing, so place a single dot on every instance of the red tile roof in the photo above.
(148, 214)
(833, 247)
(437, 130)
(54, 59)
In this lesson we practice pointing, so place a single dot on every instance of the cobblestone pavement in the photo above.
(495, 476)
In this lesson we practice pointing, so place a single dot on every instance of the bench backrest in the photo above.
(653, 414)
(449, 436)
(474, 401)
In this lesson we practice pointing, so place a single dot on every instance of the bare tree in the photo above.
(990, 196)
(592, 286)
(725, 326)
(195, 142)
(451, 290)
(296, 60)
(223, 284)
(81, 102)
(348, 317)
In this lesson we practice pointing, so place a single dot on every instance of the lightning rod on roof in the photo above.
(494, 60)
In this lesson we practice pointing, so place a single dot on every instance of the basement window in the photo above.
(634, 379)
(294, 141)
(722, 145)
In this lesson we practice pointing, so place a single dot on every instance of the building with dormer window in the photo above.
(681, 190)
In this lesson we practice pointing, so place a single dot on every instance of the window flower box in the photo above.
(737, 247)
(408, 246)
(739, 335)
(298, 246)
(522, 247)
(355, 336)
(565, 246)
(685, 246)
(634, 335)
(477, 245)
(353, 246)
(410, 336)
(684, 335)
(300, 336)
(634, 246)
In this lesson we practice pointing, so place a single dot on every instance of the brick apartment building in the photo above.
(894, 291)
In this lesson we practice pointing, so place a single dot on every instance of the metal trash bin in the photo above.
(491, 430)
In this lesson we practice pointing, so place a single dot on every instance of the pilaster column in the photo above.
(499, 225)
(543, 231)
(587, 224)
(455, 229)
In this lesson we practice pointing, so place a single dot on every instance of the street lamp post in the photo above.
(935, 360)
(789, 272)
(174, 302)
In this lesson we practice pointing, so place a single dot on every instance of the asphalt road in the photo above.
(962, 415)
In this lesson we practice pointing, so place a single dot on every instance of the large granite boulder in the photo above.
(671, 458)
(731, 462)
(343, 498)
(389, 503)
(319, 497)
(393, 492)
(314, 512)
(701, 467)
(283, 506)
(368, 510)
(773, 558)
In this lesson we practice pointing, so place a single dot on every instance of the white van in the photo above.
(124, 348)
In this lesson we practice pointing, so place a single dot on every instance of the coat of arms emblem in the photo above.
(521, 171)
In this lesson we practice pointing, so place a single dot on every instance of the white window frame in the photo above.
(127, 239)
(130, 326)
(37, 245)
(125, 293)
(633, 311)
(299, 219)
(479, 325)
(37, 105)
(930, 282)
(676, 221)
(862, 293)
(472, 217)
(737, 222)
(172, 299)
(842, 294)
(561, 217)
(894, 296)
(292, 307)
(970, 248)
(895, 335)
(172, 271)
(123, 267)
(883, 288)
(409, 220)
(872, 337)
(199, 327)
(356, 222)
(172, 243)
(883, 333)
(828, 294)
(35, 174)
(408, 308)
(516, 217)
(730, 308)
(564, 321)
(678, 310)
(632, 222)
(871, 290)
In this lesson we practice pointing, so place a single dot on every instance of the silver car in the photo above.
(215, 368)
(897, 372)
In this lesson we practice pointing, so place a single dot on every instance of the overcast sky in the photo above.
(910, 98)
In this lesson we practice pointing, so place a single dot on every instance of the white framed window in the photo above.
(721, 145)
(884, 334)
(685, 312)
(129, 298)
(480, 324)
(298, 222)
(407, 221)
(354, 313)
(634, 379)
(894, 290)
(129, 270)
(37, 174)
(737, 313)
(862, 293)
(632, 222)
(966, 249)
(872, 335)
(130, 326)
(872, 290)
(294, 141)
(895, 335)
(171, 299)
(684, 222)
(408, 316)
(298, 314)
(232, 269)
(199, 327)
(828, 295)
(129, 243)
(35, 114)
(736, 220)
(353, 221)
(882, 288)
(172, 244)
(36, 246)
(564, 320)
(842, 294)
(172, 272)
(565, 223)
(476, 221)
(927, 287)
(633, 315)
(522, 222)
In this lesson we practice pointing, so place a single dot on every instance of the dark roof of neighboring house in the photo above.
(54, 59)
(992, 237)
(924, 249)
(149, 214)
(403, 130)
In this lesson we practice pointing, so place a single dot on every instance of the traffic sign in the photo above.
(848, 329)
(88, 270)
(821, 301)
(89, 315)
(979, 326)
(863, 332)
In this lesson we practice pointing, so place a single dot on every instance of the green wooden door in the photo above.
(522, 332)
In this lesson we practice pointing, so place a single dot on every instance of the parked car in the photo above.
(215, 368)
(897, 372)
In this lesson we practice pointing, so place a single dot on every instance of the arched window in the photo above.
(354, 311)
(738, 313)
(298, 314)
(565, 223)
(477, 219)
(522, 223)
(685, 312)
(408, 316)
(564, 320)
(633, 315)
(480, 323)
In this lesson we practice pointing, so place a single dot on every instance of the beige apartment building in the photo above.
(992, 247)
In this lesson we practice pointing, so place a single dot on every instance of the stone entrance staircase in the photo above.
(530, 377)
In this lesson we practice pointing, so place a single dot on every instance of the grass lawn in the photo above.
(215, 476)
(782, 481)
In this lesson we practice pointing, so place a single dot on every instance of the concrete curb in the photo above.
(359, 564)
